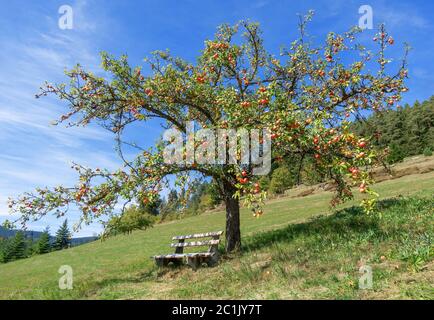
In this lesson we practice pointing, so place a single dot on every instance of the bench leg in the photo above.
(161, 262)
(176, 262)
(193, 262)
(213, 260)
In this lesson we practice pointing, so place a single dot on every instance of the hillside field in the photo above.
(298, 249)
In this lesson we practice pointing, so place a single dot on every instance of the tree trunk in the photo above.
(233, 234)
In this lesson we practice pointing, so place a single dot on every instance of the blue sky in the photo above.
(34, 49)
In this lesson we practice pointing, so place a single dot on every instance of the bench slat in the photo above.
(195, 243)
(182, 255)
(198, 235)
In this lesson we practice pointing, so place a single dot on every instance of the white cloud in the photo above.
(33, 152)
(401, 17)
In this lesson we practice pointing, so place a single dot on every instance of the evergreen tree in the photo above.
(172, 204)
(43, 245)
(5, 253)
(17, 248)
(63, 237)
(398, 134)
(3, 249)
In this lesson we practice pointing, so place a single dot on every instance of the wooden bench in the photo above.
(195, 259)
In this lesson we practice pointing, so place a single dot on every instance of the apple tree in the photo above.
(307, 96)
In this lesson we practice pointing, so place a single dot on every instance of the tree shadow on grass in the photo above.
(344, 222)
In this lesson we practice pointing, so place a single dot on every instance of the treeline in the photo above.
(178, 204)
(20, 246)
(406, 131)
(200, 197)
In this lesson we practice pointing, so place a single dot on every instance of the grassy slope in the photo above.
(121, 268)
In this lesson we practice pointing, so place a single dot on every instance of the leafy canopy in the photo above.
(306, 96)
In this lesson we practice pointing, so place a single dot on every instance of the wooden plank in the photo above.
(179, 256)
(195, 243)
(198, 235)
(180, 249)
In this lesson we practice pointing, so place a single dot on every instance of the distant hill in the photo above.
(82, 240)
(6, 233)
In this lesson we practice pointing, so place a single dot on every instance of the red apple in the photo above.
(263, 101)
(362, 144)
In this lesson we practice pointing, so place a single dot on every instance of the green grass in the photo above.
(287, 254)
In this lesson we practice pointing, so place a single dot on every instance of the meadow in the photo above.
(299, 249)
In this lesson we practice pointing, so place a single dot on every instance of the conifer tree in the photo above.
(17, 248)
(43, 245)
(63, 237)
(3, 249)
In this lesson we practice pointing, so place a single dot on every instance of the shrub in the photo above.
(427, 152)
(281, 180)
(264, 183)
(132, 219)
(396, 154)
